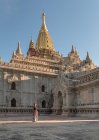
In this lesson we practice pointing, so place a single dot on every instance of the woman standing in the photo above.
(35, 113)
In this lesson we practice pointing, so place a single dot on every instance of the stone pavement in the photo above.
(49, 128)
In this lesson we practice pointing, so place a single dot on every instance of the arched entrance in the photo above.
(43, 104)
(13, 86)
(59, 103)
(13, 102)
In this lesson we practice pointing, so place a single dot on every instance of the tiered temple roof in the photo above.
(43, 58)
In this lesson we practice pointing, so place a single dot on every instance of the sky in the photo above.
(69, 22)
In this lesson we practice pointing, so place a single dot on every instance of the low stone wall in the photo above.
(73, 112)
(16, 110)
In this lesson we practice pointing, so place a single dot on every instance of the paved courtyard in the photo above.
(49, 128)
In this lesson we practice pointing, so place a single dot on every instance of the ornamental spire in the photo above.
(44, 40)
(13, 54)
(73, 49)
(18, 51)
(44, 21)
(88, 57)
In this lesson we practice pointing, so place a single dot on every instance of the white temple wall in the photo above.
(1, 98)
(85, 96)
(88, 95)
(28, 88)
(96, 95)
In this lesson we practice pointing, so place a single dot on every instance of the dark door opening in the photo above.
(60, 103)
(43, 104)
(13, 103)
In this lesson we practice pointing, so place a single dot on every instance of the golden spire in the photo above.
(43, 21)
(44, 40)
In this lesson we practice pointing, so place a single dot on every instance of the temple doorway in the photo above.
(13, 102)
(60, 103)
(43, 104)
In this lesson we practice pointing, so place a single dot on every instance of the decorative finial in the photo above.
(43, 18)
(44, 21)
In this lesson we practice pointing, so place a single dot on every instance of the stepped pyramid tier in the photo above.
(44, 40)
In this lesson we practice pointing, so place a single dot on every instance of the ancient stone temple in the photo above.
(60, 85)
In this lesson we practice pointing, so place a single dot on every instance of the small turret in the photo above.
(18, 51)
(17, 54)
(87, 64)
(73, 56)
(32, 51)
(73, 52)
(13, 54)
(88, 59)
(31, 45)
(73, 49)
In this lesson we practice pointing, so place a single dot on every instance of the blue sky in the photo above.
(68, 21)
